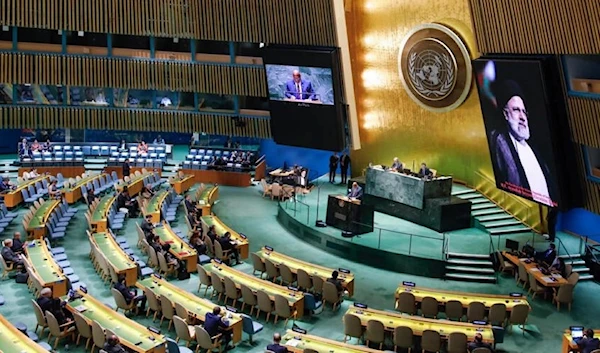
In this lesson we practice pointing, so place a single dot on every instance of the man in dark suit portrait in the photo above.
(478, 343)
(517, 166)
(215, 324)
(276, 345)
(299, 89)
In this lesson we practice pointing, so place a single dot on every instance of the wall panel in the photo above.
(133, 74)
(308, 22)
(137, 120)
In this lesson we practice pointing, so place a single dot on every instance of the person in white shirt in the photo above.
(516, 165)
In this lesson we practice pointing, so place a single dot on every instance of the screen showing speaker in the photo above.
(305, 101)
(518, 122)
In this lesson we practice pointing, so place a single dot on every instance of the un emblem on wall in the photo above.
(435, 67)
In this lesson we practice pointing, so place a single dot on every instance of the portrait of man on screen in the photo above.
(299, 89)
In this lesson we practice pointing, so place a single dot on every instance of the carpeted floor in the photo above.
(244, 210)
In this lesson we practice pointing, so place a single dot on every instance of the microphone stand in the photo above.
(317, 220)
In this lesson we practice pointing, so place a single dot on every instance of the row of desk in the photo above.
(134, 185)
(99, 218)
(154, 205)
(37, 227)
(240, 241)
(42, 264)
(206, 197)
(179, 248)
(73, 193)
(14, 341)
(14, 197)
(181, 184)
(115, 256)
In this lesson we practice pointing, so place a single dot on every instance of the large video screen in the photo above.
(514, 103)
(299, 83)
(305, 100)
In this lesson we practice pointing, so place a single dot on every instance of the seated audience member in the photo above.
(35, 146)
(125, 201)
(226, 245)
(55, 306)
(112, 345)
(142, 147)
(197, 243)
(33, 173)
(90, 196)
(215, 324)
(47, 146)
(228, 143)
(547, 256)
(276, 345)
(194, 222)
(166, 251)
(356, 192)
(397, 166)
(425, 172)
(191, 206)
(23, 149)
(147, 227)
(123, 146)
(9, 255)
(17, 245)
(159, 140)
(5, 185)
(587, 343)
(130, 294)
(53, 190)
(126, 168)
(338, 284)
(478, 343)
(147, 192)
(212, 234)
(559, 266)
(155, 243)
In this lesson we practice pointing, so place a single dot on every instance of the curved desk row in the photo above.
(312, 269)
(419, 324)
(241, 242)
(15, 197)
(114, 255)
(131, 334)
(73, 193)
(14, 341)
(181, 185)
(179, 248)
(37, 227)
(205, 197)
(154, 205)
(294, 298)
(298, 342)
(41, 262)
(221, 177)
(550, 280)
(444, 296)
(196, 307)
(99, 218)
(134, 185)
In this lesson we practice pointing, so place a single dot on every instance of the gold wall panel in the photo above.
(15, 117)
(133, 74)
(537, 26)
(308, 22)
(392, 125)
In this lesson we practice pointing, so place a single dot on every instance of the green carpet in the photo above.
(244, 210)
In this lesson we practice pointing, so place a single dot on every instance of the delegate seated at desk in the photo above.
(356, 192)
(547, 256)
(397, 166)
(587, 343)
(425, 172)
(299, 89)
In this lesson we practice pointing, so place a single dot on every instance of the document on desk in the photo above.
(293, 342)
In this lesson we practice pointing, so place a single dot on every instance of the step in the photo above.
(94, 166)
(574, 262)
(501, 223)
(494, 217)
(478, 201)
(487, 212)
(462, 262)
(468, 256)
(95, 160)
(463, 192)
(509, 230)
(474, 196)
(567, 257)
(470, 277)
(489, 271)
(585, 277)
(581, 269)
(482, 206)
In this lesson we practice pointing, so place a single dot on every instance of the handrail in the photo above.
(397, 232)
(492, 250)
(561, 244)
(296, 201)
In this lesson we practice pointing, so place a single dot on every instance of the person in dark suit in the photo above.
(299, 89)
(9, 255)
(516, 164)
(478, 343)
(148, 227)
(112, 345)
(125, 201)
(548, 256)
(212, 234)
(338, 284)
(215, 324)
(333, 163)
(54, 305)
(17, 245)
(551, 218)
(130, 295)
(126, 168)
(356, 192)
(344, 164)
(5, 185)
(587, 343)
(397, 166)
(276, 346)
(226, 245)
(425, 172)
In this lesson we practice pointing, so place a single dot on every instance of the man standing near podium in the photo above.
(333, 163)
(356, 192)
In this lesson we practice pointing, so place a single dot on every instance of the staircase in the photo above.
(170, 168)
(578, 266)
(489, 217)
(8, 169)
(470, 268)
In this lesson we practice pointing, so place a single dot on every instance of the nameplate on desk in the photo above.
(299, 330)
(230, 308)
(218, 261)
(157, 275)
(516, 294)
(153, 330)
(408, 284)
(479, 322)
(268, 248)
(243, 236)
(339, 216)
(343, 270)
(361, 305)
(293, 288)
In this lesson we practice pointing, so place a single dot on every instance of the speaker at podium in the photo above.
(349, 215)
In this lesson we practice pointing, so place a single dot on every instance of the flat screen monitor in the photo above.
(518, 122)
(576, 331)
(305, 96)
(512, 245)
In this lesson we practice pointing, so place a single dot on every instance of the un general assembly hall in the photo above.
(299, 176)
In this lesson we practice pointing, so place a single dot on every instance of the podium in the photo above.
(349, 215)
